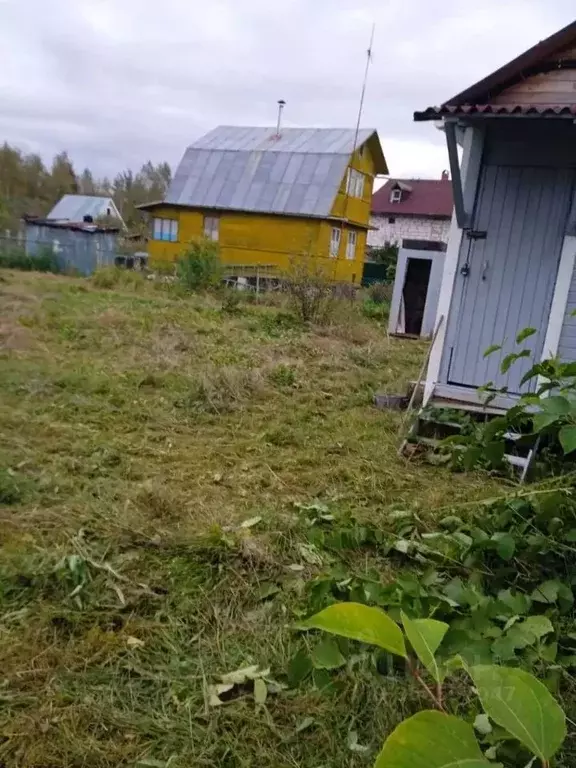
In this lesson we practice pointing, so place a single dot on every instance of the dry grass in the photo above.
(135, 426)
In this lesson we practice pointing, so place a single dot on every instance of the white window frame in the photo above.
(351, 244)
(335, 239)
(212, 227)
(355, 183)
(396, 195)
(165, 230)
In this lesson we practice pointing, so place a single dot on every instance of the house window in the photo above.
(211, 227)
(396, 195)
(391, 220)
(351, 245)
(165, 229)
(335, 242)
(355, 183)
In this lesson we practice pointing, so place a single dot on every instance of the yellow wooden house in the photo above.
(268, 198)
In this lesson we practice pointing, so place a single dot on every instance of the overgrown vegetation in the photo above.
(13, 257)
(544, 417)
(183, 486)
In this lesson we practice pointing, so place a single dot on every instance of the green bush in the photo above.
(199, 268)
(44, 260)
(375, 310)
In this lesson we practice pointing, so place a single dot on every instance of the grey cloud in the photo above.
(117, 83)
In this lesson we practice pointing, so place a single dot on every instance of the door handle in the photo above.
(485, 269)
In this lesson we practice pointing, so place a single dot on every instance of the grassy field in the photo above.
(138, 431)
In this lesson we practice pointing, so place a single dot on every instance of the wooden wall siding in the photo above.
(252, 239)
(524, 212)
(556, 87)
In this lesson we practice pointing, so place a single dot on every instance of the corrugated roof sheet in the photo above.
(253, 169)
(437, 113)
(424, 197)
(75, 207)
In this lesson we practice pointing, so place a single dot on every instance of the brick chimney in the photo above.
(445, 176)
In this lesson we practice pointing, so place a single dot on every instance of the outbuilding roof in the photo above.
(297, 172)
(75, 207)
(420, 197)
(554, 53)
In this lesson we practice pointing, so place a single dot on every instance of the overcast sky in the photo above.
(117, 82)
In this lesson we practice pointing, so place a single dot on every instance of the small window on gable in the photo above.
(212, 227)
(355, 183)
(396, 195)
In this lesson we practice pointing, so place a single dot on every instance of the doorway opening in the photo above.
(414, 294)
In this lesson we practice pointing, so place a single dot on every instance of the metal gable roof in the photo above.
(253, 169)
(75, 207)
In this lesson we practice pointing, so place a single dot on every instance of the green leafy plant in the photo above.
(199, 268)
(548, 414)
(513, 699)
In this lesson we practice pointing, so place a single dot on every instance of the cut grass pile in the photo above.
(139, 431)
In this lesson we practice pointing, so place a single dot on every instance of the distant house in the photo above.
(76, 208)
(267, 197)
(78, 246)
(411, 209)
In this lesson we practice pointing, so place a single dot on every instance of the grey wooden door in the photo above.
(505, 282)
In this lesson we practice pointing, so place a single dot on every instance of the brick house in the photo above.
(413, 209)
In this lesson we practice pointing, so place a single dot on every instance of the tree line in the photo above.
(28, 186)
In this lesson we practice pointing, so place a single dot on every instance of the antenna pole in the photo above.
(363, 92)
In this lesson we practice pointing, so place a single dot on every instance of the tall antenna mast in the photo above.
(363, 92)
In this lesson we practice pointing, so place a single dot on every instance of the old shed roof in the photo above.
(420, 197)
(75, 207)
(554, 53)
(255, 170)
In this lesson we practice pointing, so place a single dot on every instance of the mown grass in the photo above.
(138, 430)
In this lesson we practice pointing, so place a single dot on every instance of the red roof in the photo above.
(420, 197)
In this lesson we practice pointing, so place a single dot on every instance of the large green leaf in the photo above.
(432, 740)
(556, 404)
(567, 437)
(542, 420)
(360, 622)
(523, 706)
(425, 635)
(327, 655)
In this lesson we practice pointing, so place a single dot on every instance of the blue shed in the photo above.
(82, 246)
(512, 245)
